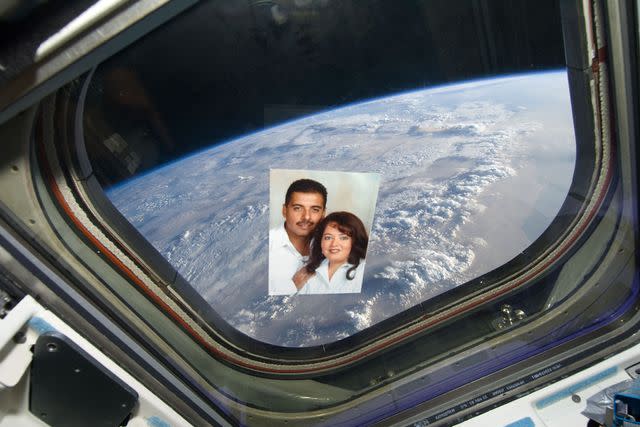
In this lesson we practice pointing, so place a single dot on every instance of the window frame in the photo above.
(411, 323)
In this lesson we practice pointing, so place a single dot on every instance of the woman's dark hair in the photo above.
(348, 224)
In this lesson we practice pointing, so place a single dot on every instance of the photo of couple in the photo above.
(318, 245)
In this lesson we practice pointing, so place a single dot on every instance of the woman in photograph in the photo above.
(336, 262)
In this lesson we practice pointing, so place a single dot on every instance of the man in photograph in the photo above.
(289, 244)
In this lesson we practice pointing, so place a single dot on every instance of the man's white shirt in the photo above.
(339, 284)
(284, 262)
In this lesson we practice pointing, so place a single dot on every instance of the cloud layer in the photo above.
(441, 154)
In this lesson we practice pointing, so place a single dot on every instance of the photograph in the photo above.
(319, 228)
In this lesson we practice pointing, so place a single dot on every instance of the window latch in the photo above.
(509, 316)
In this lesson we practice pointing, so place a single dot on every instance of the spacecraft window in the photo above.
(462, 112)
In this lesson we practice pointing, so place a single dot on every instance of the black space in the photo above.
(226, 68)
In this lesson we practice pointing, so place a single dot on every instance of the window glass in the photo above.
(461, 109)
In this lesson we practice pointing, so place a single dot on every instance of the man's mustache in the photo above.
(299, 223)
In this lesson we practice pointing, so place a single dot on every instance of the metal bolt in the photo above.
(19, 337)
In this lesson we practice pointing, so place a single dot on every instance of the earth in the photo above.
(471, 174)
